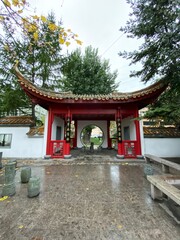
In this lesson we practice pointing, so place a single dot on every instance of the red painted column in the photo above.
(67, 146)
(49, 131)
(138, 136)
(119, 133)
(108, 135)
(75, 135)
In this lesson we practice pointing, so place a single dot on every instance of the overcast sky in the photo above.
(97, 23)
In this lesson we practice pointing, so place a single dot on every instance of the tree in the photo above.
(41, 62)
(87, 73)
(157, 22)
(14, 14)
(12, 98)
(40, 65)
(167, 108)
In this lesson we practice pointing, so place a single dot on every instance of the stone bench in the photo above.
(160, 185)
(165, 163)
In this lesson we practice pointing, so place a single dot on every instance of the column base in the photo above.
(120, 156)
(67, 156)
(47, 156)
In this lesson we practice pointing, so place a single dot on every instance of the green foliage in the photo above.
(157, 23)
(96, 141)
(43, 62)
(87, 73)
(167, 108)
(40, 64)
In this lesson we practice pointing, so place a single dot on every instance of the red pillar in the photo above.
(138, 136)
(49, 131)
(75, 134)
(119, 133)
(108, 135)
(67, 146)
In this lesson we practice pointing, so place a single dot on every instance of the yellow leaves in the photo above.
(20, 11)
(16, 61)
(7, 3)
(3, 198)
(35, 36)
(79, 42)
(35, 17)
(15, 3)
(66, 37)
(1, 18)
(61, 40)
(52, 27)
(125, 163)
(43, 19)
(120, 226)
(6, 47)
(65, 34)
(32, 28)
(67, 43)
(21, 226)
(31, 25)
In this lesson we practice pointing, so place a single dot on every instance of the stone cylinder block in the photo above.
(9, 189)
(33, 187)
(25, 174)
(10, 172)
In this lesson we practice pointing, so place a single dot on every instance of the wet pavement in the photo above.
(89, 200)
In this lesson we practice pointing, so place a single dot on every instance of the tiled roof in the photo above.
(158, 132)
(36, 131)
(116, 96)
(16, 120)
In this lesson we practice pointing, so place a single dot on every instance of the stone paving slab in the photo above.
(108, 201)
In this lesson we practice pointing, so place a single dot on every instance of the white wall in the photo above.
(162, 147)
(22, 146)
(142, 137)
(129, 122)
(100, 124)
(58, 122)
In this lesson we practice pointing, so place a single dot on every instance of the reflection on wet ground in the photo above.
(86, 201)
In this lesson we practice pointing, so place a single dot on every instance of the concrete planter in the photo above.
(9, 187)
(25, 174)
(1, 166)
(33, 187)
(10, 172)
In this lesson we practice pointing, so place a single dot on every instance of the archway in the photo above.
(92, 136)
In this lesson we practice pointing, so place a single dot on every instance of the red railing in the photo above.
(129, 148)
(57, 148)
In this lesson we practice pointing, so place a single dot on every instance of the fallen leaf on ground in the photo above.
(3, 198)
(21, 226)
(120, 226)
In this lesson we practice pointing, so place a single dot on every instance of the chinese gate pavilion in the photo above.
(65, 107)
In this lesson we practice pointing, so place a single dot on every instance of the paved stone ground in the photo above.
(88, 200)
